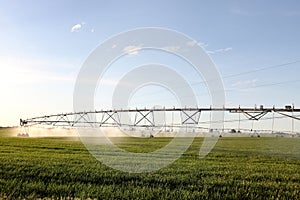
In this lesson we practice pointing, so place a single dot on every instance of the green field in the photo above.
(237, 168)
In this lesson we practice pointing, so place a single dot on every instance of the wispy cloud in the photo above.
(219, 50)
(194, 42)
(76, 27)
(191, 43)
(132, 49)
(245, 83)
(202, 44)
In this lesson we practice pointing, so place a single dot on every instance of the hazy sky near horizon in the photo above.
(43, 44)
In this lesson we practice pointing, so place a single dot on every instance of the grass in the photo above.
(237, 168)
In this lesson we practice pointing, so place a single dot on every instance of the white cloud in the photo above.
(202, 44)
(219, 50)
(210, 52)
(132, 49)
(76, 27)
(227, 49)
(92, 30)
(191, 43)
(194, 42)
(246, 82)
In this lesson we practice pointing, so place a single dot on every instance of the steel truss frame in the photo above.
(112, 117)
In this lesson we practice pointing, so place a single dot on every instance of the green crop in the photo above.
(237, 168)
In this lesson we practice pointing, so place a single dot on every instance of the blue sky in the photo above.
(40, 54)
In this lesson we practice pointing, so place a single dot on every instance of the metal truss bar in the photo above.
(190, 117)
(110, 116)
(81, 116)
(180, 109)
(62, 119)
(251, 113)
(256, 116)
(293, 117)
(144, 116)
